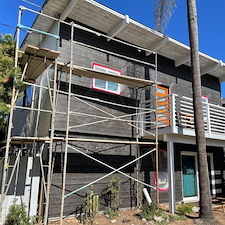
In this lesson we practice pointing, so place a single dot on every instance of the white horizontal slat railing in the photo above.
(177, 111)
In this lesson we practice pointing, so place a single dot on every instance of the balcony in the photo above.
(175, 115)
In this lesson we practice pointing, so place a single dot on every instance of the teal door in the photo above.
(189, 176)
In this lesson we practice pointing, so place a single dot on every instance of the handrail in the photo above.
(177, 111)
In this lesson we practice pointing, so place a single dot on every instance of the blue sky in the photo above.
(211, 20)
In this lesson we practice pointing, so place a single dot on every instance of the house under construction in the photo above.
(105, 96)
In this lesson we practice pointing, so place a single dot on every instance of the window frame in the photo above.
(118, 92)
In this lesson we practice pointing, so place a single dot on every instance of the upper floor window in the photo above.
(103, 85)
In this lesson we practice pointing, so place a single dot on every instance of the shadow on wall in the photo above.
(78, 163)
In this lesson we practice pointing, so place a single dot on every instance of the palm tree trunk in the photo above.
(206, 211)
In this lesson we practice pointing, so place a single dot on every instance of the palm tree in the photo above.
(163, 10)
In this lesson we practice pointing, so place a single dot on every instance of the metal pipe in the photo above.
(38, 109)
(112, 168)
(5, 166)
(91, 98)
(101, 110)
(114, 171)
(12, 174)
(156, 130)
(39, 31)
(67, 124)
(51, 145)
(147, 196)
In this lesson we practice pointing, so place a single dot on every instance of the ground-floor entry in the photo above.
(190, 179)
(189, 175)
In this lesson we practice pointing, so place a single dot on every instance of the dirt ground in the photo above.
(131, 217)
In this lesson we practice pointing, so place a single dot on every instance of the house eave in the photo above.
(104, 19)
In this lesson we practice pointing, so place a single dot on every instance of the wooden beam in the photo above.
(182, 60)
(212, 68)
(68, 9)
(158, 45)
(119, 27)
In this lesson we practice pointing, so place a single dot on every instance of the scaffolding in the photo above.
(36, 62)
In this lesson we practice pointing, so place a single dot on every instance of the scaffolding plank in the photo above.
(30, 140)
(121, 79)
(38, 60)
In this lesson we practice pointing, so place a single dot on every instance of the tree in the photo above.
(9, 75)
(162, 14)
(206, 211)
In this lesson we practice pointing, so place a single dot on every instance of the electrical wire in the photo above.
(7, 25)
(31, 3)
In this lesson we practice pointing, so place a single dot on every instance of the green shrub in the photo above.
(185, 208)
(140, 194)
(113, 191)
(150, 211)
(91, 207)
(17, 215)
(177, 217)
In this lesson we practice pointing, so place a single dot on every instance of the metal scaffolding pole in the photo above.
(10, 125)
(51, 146)
(156, 129)
(67, 124)
(53, 99)
(110, 114)
(114, 170)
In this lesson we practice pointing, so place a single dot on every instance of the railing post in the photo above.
(208, 119)
(173, 113)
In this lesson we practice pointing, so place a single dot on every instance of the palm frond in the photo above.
(162, 13)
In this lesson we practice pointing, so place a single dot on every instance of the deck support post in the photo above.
(171, 176)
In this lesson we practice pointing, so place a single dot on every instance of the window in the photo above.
(103, 85)
(163, 114)
(27, 96)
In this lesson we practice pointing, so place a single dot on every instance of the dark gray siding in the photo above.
(82, 170)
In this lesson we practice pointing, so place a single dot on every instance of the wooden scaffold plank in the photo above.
(38, 60)
(121, 79)
(30, 140)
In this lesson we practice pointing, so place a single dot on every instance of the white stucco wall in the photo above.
(24, 186)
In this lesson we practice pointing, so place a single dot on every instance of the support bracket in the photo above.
(212, 68)
(182, 60)
(68, 9)
(158, 45)
(118, 28)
